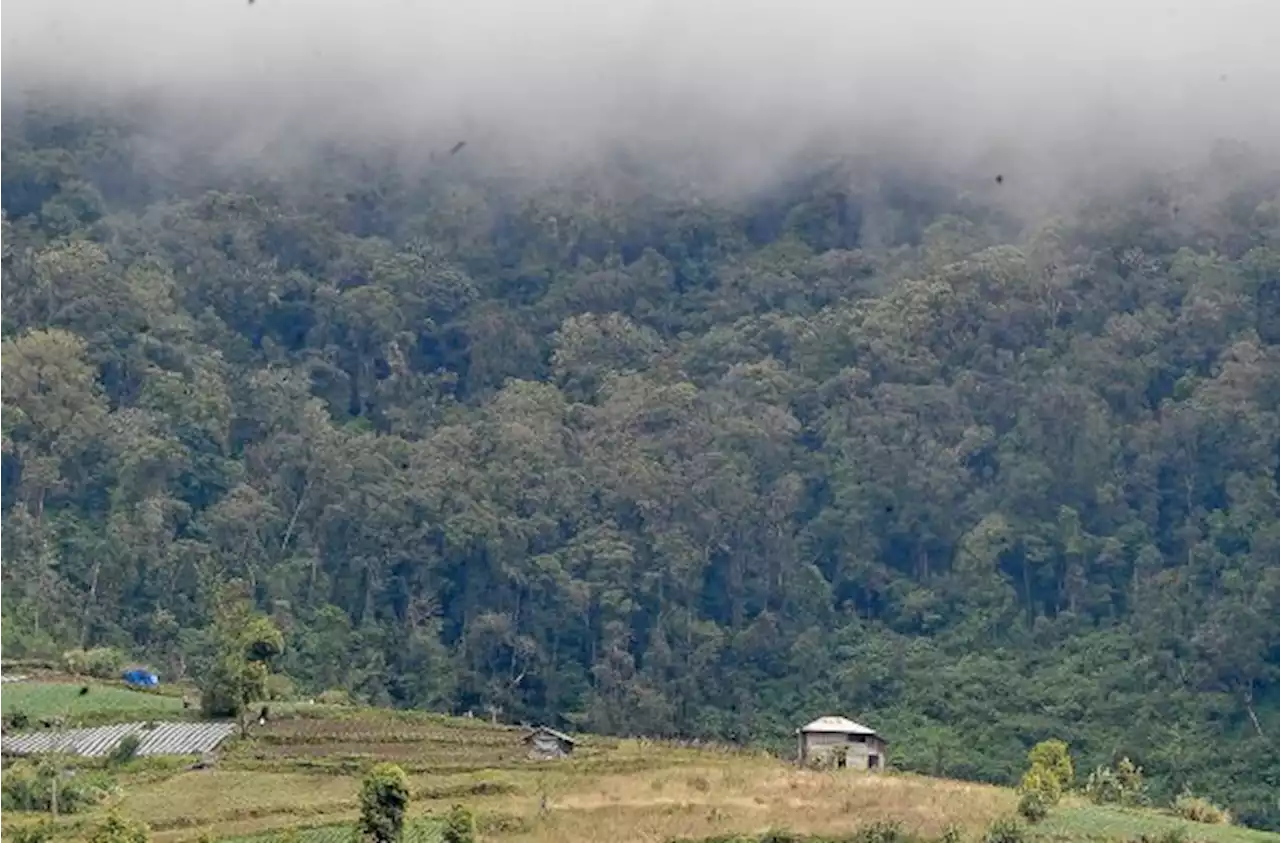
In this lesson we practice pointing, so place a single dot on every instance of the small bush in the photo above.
(1052, 758)
(102, 662)
(1032, 806)
(1043, 783)
(40, 832)
(116, 829)
(384, 798)
(334, 696)
(1173, 835)
(1122, 784)
(1005, 830)
(125, 751)
(699, 783)
(951, 834)
(881, 832)
(19, 720)
(503, 824)
(778, 836)
(280, 688)
(30, 788)
(459, 826)
(1200, 810)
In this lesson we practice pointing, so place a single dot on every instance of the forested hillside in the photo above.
(662, 462)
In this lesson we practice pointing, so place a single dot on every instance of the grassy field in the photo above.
(300, 775)
(104, 702)
(1078, 820)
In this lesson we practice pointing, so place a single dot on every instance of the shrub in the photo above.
(102, 662)
(1119, 785)
(384, 798)
(1032, 806)
(881, 832)
(1173, 835)
(779, 836)
(1053, 759)
(334, 696)
(1043, 784)
(116, 829)
(40, 832)
(459, 826)
(30, 788)
(19, 720)
(124, 751)
(1005, 830)
(951, 834)
(1200, 810)
(280, 688)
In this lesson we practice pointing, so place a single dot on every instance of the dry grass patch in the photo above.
(722, 799)
(215, 797)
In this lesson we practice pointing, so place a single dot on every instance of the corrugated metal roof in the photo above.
(839, 725)
(547, 730)
(161, 739)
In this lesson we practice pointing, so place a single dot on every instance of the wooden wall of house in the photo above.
(823, 748)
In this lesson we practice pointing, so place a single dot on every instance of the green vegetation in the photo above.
(244, 643)
(420, 831)
(29, 786)
(37, 701)
(307, 780)
(100, 662)
(117, 829)
(1122, 784)
(1049, 775)
(384, 797)
(1090, 822)
(632, 461)
(125, 751)
(459, 826)
(1197, 809)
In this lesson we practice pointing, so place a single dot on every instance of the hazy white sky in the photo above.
(943, 72)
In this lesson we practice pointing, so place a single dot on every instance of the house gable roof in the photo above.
(547, 730)
(831, 724)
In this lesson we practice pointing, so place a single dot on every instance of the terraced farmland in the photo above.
(418, 743)
(298, 779)
(420, 831)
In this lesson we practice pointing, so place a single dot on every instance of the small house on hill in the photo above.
(546, 744)
(839, 742)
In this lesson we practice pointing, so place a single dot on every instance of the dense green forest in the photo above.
(663, 462)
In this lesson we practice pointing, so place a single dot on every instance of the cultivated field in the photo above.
(298, 779)
(103, 703)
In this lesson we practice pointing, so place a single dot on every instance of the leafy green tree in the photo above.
(384, 798)
(597, 447)
(1052, 760)
(245, 641)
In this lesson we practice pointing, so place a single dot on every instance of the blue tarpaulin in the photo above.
(141, 677)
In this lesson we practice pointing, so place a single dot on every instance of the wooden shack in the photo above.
(839, 742)
(546, 744)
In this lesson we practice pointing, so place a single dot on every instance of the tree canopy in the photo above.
(648, 462)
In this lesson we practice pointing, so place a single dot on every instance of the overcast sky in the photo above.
(731, 74)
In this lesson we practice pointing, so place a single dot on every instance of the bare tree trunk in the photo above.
(93, 596)
(1248, 707)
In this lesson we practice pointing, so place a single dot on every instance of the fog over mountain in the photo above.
(741, 85)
